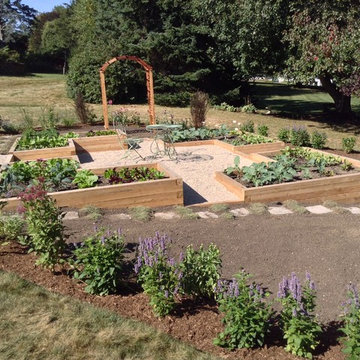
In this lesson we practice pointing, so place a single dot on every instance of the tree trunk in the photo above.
(342, 102)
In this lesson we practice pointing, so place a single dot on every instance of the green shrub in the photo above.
(181, 99)
(248, 126)
(250, 108)
(299, 136)
(318, 140)
(201, 270)
(246, 315)
(44, 224)
(11, 227)
(284, 135)
(99, 262)
(263, 130)
(348, 144)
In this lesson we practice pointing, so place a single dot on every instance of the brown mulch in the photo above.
(198, 323)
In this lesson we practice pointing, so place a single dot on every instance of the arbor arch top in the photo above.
(149, 85)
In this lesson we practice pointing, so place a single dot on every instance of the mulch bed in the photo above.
(196, 323)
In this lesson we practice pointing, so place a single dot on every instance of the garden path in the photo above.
(196, 165)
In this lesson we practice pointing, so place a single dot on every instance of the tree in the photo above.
(324, 42)
(15, 19)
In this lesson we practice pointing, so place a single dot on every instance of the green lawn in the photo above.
(36, 324)
(293, 100)
(35, 95)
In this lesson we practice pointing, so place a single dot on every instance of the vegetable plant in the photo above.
(299, 136)
(248, 126)
(263, 130)
(284, 135)
(93, 133)
(99, 261)
(318, 140)
(128, 175)
(246, 315)
(300, 328)
(85, 179)
(11, 227)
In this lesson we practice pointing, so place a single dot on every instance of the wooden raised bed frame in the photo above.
(76, 146)
(342, 188)
(153, 193)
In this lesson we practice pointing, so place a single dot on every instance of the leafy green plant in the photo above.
(203, 133)
(56, 173)
(248, 126)
(284, 135)
(263, 130)
(128, 175)
(49, 138)
(347, 165)
(243, 138)
(11, 227)
(93, 133)
(99, 261)
(44, 225)
(85, 179)
(226, 107)
(158, 273)
(236, 169)
(299, 136)
(300, 328)
(318, 140)
(351, 321)
(348, 144)
(201, 270)
(246, 315)
(250, 108)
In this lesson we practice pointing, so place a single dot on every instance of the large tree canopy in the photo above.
(324, 42)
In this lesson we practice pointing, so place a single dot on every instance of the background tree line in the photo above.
(209, 45)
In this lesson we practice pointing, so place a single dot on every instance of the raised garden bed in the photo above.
(167, 189)
(298, 179)
(74, 146)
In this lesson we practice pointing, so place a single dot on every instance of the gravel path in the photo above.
(195, 164)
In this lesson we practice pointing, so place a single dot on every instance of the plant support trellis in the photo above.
(149, 85)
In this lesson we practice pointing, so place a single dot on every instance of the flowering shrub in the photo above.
(158, 274)
(201, 270)
(99, 261)
(246, 314)
(351, 328)
(300, 329)
(44, 223)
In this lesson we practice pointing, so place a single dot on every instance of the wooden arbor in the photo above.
(149, 85)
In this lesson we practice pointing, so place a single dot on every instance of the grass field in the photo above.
(36, 324)
(34, 95)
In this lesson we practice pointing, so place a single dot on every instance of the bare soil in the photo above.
(269, 247)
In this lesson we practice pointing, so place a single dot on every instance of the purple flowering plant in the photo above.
(158, 273)
(246, 314)
(44, 225)
(351, 326)
(300, 328)
(99, 261)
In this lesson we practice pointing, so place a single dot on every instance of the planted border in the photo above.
(151, 193)
(344, 188)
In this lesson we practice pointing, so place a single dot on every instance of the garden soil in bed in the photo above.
(268, 247)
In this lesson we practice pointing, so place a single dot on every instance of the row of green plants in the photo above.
(290, 165)
(64, 174)
(48, 138)
(99, 261)
(300, 136)
(250, 108)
